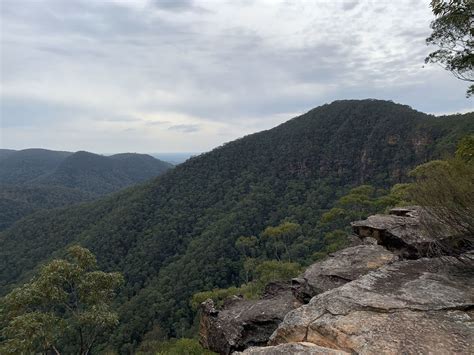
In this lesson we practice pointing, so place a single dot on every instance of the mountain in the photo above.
(174, 158)
(35, 179)
(17, 202)
(19, 167)
(99, 175)
(175, 235)
(4, 153)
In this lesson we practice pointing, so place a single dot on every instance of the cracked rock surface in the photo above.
(420, 306)
(339, 268)
(241, 323)
(292, 348)
(403, 231)
(386, 294)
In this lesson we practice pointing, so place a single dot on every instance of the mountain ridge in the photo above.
(163, 234)
(35, 179)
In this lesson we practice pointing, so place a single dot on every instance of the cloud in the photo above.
(185, 128)
(157, 123)
(20, 112)
(174, 5)
(349, 5)
(216, 69)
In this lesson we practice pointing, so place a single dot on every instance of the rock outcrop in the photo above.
(403, 231)
(292, 348)
(241, 323)
(413, 306)
(386, 294)
(339, 268)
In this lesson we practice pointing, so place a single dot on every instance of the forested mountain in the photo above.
(98, 174)
(93, 173)
(35, 179)
(176, 235)
(17, 202)
(5, 153)
(19, 167)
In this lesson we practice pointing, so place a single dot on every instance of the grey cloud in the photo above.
(117, 118)
(349, 5)
(174, 5)
(175, 57)
(30, 112)
(185, 128)
(157, 123)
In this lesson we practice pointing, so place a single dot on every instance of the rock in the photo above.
(405, 211)
(243, 323)
(339, 268)
(403, 231)
(422, 306)
(293, 348)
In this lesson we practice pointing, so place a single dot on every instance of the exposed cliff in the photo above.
(382, 296)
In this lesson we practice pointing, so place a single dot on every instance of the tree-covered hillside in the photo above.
(176, 235)
(19, 167)
(36, 179)
(17, 202)
(99, 175)
(5, 153)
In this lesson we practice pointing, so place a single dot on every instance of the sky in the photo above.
(187, 76)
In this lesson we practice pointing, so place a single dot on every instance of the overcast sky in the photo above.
(182, 75)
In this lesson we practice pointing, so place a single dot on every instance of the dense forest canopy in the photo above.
(37, 179)
(177, 234)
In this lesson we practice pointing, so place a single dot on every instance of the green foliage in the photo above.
(445, 188)
(453, 33)
(17, 202)
(265, 272)
(358, 203)
(282, 235)
(274, 270)
(183, 346)
(66, 307)
(32, 180)
(176, 236)
(247, 245)
(465, 151)
(218, 295)
(100, 175)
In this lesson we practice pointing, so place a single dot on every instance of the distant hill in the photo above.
(99, 175)
(17, 202)
(23, 166)
(174, 158)
(35, 179)
(4, 153)
(176, 234)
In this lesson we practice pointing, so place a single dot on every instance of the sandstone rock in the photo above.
(292, 348)
(339, 268)
(422, 306)
(402, 231)
(244, 323)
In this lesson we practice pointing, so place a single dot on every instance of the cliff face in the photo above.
(382, 296)
(243, 323)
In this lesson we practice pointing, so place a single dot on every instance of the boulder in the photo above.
(422, 306)
(339, 268)
(292, 348)
(403, 231)
(242, 323)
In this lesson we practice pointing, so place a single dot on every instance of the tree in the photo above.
(284, 234)
(247, 245)
(65, 308)
(183, 346)
(453, 33)
(274, 270)
(445, 189)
